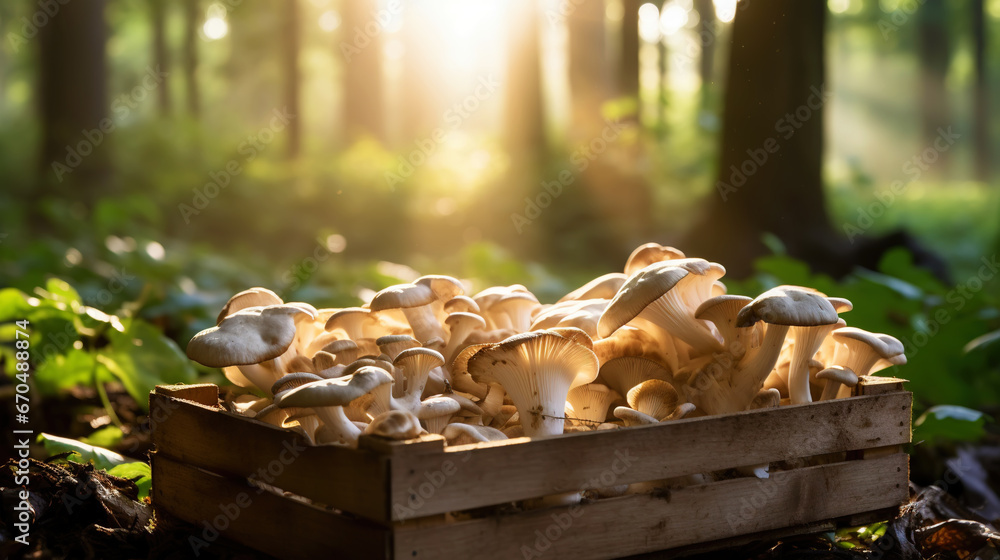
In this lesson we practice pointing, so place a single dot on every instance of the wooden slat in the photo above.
(221, 507)
(874, 385)
(466, 477)
(637, 524)
(201, 393)
(869, 386)
(223, 443)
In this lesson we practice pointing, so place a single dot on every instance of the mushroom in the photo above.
(460, 325)
(624, 373)
(463, 434)
(859, 350)
(602, 287)
(254, 297)
(328, 397)
(655, 398)
(414, 300)
(808, 314)
(254, 339)
(649, 253)
(663, 298)
(396, 425)
(416, 365)
(537, 370)
(589, 403)
(835, 377)
(392, 344)
(435, 413)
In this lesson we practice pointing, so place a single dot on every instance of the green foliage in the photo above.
(934, 321)
(74, 344)
(87, 451)
(82, 452)
(948, 422)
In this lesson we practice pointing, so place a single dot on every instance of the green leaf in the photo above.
(100, 457)
(949, 422)
(142, 358)
(13, 305)
(62, 372)
(107, 437)
(136, 471)
(60, 291)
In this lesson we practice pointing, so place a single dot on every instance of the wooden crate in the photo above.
(398, 499)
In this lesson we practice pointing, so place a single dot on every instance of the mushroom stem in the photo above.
(424, 323)
(338, 424)
(807, 341)
(759, 362)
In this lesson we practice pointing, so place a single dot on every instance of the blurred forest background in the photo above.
(157, 157)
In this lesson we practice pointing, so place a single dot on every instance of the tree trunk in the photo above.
(706, 40)
(525, 114)
(192, 21)
(980, 100)
(628, 66)
(769, 176)
(73, 104)
(290, 63)
(588, 73)
(934, 51)
(161, 54)
(364, 113)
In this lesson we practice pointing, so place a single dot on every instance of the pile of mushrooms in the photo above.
(659, 342)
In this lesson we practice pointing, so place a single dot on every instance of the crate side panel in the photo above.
(492, 474)
(279, 526)
(642, 523)
(230, 445)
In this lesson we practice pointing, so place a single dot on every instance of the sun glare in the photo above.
(215, 28)
(725, 10)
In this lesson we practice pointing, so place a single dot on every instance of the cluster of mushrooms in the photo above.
(659, 342)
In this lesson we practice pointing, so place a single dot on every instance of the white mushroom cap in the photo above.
(463, 434)
(416, 365)
(254, 297)
(633, 417)
(537, 370)
(353, 321)
(649, 253)
(392, 344)
(435, 413)
(602, 287)
(396, 425)
(414, 300)
(835, 377)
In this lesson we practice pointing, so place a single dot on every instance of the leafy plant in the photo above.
(104, 459)
(75, 344)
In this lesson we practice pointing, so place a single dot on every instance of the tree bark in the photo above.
(934, 52)
(588, 72)
(290, 63)
(525, 113)
(706, 40)
(628, 66)
(161, 54)
(769, 172)
(364, 112)
(980, 93)
(192, 21)
(73, 102)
